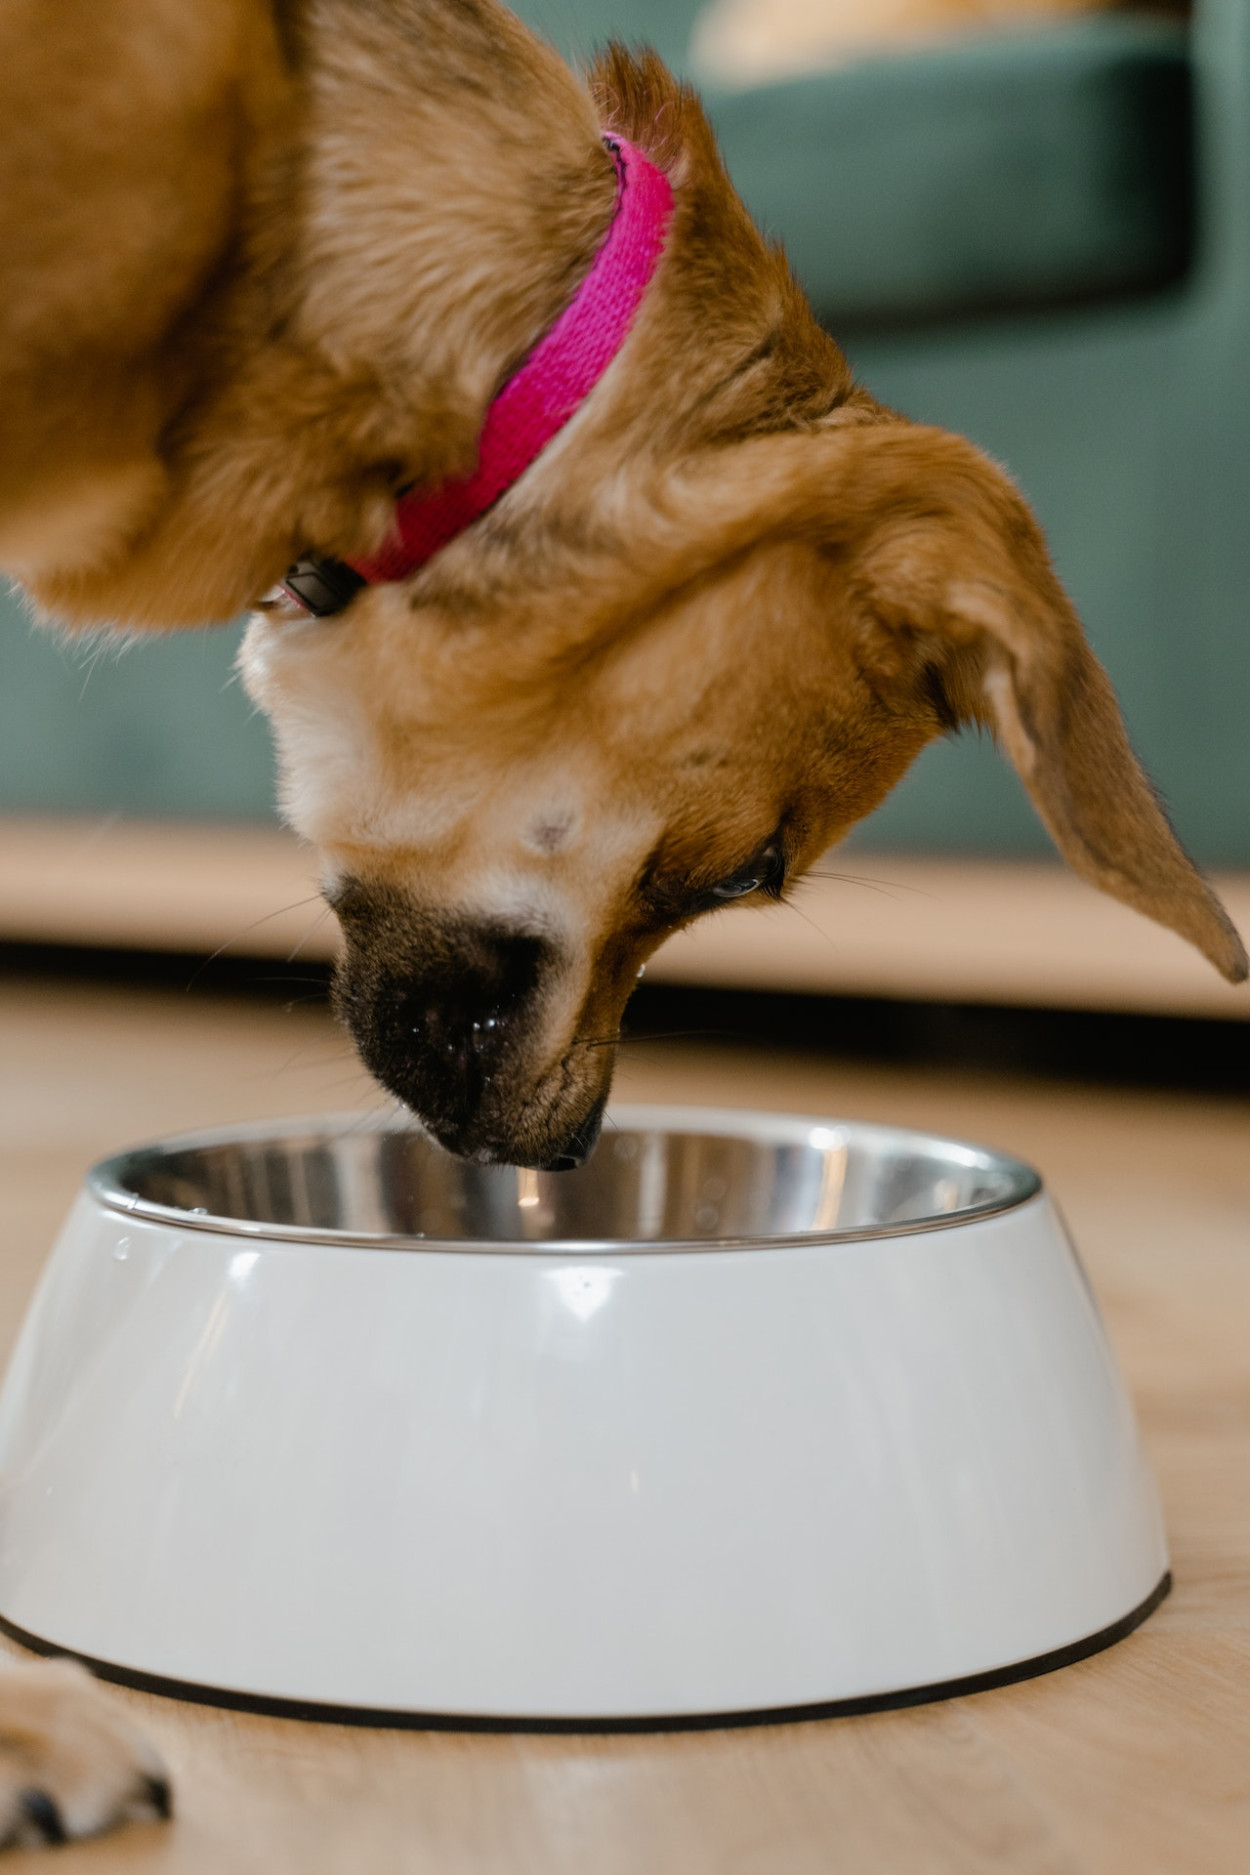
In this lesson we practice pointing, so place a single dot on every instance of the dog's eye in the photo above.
(765, 872)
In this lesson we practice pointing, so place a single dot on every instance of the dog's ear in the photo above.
(957, 610)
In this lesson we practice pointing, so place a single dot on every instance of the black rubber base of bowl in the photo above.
(314, 1710)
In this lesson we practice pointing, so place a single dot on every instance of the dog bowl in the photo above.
(750, 1414)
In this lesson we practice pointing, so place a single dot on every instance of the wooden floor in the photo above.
(1134, 1763)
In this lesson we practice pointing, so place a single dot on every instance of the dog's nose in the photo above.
(438, 1039)
(451, 1017)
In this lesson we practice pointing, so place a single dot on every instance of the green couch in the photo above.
(1041, 239)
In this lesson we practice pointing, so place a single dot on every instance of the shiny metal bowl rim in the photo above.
(106, 1181)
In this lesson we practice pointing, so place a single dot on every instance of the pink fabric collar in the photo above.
(547, 389)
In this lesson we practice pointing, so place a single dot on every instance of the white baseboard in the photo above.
(957, 930)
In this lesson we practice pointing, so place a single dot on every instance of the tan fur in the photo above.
(731, 602)
(273, 269)
(70, 1765)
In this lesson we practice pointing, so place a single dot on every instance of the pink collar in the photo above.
(535, 403)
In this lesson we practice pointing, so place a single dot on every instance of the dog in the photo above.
(271, 269)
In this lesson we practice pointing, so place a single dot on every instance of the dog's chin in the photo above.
(505, 1135)
(561, 1148)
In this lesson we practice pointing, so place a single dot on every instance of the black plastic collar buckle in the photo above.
(322, 587)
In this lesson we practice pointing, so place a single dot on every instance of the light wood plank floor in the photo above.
(1134, 1763)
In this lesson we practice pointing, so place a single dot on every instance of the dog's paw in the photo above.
(70, 1763)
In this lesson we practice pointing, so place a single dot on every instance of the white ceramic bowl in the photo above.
(752, 1413)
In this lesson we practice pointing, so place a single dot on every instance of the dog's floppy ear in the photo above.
(957, 609)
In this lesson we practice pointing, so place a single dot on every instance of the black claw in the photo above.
(41, 1810)
(157, 1793)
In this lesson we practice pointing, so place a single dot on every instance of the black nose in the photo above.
(437, 1038)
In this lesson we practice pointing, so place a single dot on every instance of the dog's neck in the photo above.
(412, 195)
(535, 404)
(392, 254)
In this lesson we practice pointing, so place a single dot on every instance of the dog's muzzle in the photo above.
(449, 1026)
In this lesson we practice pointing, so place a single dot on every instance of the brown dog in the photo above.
(264, 265)
(271, 270)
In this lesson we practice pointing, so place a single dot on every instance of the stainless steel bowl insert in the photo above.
(661, 1178)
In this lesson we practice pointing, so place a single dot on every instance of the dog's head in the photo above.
(518, 797)
(515, 809)
(699, 640)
